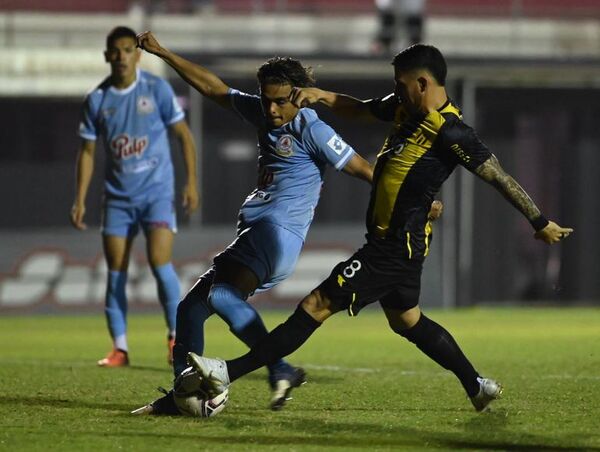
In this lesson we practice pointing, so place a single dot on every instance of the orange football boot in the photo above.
(170, 345)
(116, 358)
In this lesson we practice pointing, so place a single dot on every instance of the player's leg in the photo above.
(347, 287)
(116, 252)
(220, 290)
(436, 342)
(261, 257)
(286, 338)
(192, 313)
(119, 227)
(158, 219)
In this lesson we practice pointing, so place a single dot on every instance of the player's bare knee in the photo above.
(402, 321)
(316, 304)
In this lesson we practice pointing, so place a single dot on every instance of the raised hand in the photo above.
(149, 43)
(303, 97)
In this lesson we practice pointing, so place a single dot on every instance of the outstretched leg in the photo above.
(439, 345)
(283, 340)
(233, 282)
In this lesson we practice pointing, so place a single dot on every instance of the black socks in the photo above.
(437, 343)
(280, 342)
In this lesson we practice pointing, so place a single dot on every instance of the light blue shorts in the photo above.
(125, 221)
(269, 250)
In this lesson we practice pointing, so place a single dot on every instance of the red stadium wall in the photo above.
(471, 8)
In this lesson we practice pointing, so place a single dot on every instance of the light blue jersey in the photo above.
(292, 162)
(133, 123)
(274, 221)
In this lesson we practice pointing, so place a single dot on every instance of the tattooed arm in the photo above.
(491, 172)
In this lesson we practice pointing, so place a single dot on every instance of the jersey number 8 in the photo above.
(351, 269)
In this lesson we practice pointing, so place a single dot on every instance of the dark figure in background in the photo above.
(393, 14)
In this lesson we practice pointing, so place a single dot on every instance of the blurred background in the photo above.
(525, 72)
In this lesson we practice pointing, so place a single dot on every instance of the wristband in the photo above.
(539, 223)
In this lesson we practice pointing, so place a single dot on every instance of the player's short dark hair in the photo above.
(285, 71)
(117, 33)
(422, 56)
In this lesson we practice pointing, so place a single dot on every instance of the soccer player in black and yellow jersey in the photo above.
(427, 141)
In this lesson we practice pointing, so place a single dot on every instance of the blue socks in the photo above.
(192, 312)
(243, 320)
(116, 308)
(203, 300)
(168, 292)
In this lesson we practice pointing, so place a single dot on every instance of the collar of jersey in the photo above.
(122, 92)
(445, 104)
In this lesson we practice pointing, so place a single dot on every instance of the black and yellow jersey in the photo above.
(418, 155)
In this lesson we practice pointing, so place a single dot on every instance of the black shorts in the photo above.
(374, 273)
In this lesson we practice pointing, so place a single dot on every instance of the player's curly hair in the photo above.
(422, 56)
(285, 71)
(117, 33)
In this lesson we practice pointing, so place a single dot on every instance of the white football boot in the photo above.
(215, 378)
(489, 390)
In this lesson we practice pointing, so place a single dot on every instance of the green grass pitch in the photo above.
(368, 388)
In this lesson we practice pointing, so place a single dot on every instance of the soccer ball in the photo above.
(192, 400)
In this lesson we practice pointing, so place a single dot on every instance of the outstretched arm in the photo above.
(491, 172)
(341, 104)
(207, 83)
(83, 175)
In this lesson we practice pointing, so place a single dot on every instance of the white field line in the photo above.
(409, 373)
(437, 374)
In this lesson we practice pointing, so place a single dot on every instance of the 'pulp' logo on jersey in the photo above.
(125, 147)
(337, 144)
(144, 105)
(285, 146)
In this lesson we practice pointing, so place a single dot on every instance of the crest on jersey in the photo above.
(144, 105)
(285, 146)
(337, 144)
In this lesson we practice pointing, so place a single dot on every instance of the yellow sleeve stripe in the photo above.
(350, 310)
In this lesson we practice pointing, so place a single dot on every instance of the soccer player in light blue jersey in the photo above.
(132, 112)
(295, 148)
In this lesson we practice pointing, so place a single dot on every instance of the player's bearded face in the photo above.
(123, 57)
(277, 107)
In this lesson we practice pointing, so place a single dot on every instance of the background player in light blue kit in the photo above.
(295, 147)
(132, 110)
